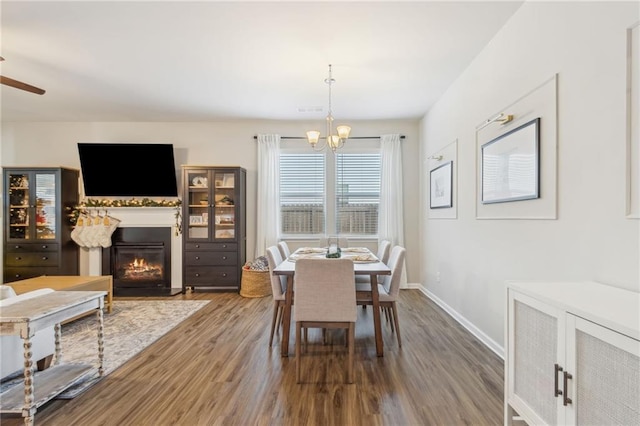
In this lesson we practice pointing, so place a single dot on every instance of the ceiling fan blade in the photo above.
(20, 85)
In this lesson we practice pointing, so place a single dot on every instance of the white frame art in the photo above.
(441, 184)
(511, 165)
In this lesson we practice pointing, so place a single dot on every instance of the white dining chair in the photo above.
(389, 290)
(384, 247)
(278, 289)
(325, 297)
(284, 249)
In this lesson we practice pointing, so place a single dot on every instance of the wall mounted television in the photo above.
(128, 170)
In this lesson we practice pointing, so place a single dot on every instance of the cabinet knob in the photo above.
(197, 275)
(18, 247)
(224, 274)
(197, 245)
(45, 246)
(18, 258)
(224, 257)
(197, 257)
(44, 258)
(224, 246)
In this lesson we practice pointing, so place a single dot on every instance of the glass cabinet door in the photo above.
(19, 206)
(46, 206)
(224, 205)
(198, 204)
(32, 206)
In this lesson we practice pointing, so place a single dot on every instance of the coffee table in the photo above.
(68, 283)
(27, 317)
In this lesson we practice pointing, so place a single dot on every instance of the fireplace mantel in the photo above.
(150, 217)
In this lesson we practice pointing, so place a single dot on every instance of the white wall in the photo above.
(585, 43)
(211, 143)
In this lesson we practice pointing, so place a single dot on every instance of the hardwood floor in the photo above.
(216, 368)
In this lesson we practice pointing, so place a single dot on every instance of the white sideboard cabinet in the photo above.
(572, 354)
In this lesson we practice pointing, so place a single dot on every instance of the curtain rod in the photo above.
(351, 137)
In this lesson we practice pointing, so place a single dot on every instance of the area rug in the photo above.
(130, 328)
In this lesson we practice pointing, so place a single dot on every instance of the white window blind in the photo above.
(357, 193)
(302, 193)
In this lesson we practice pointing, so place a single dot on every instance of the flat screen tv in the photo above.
(128, 170)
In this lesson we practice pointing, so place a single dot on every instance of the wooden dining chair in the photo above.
(325, 298)
(389, 289)
(284, 250)
(278, 289)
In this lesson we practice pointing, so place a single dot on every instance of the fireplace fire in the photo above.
(140, 269)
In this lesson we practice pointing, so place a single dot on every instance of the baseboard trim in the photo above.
(486, 340)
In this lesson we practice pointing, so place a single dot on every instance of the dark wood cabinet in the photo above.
(37, 222)
(214, 227)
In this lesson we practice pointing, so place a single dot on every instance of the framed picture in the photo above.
(511, 165)
(195, 220)
(441, 181)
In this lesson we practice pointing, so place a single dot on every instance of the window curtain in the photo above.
(390, 214)
(268, 193)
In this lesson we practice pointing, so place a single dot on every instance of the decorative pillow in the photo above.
(6, 291)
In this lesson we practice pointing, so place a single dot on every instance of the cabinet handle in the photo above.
(45, 247)
(18, 258)
(557, 390)
(44, 258)
(197, 257)
(17, 247)
(566, 400)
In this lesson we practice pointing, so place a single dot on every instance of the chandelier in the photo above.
(333, 141)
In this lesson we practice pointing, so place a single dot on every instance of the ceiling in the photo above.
(210, 61)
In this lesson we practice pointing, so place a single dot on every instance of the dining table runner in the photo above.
(356, 254)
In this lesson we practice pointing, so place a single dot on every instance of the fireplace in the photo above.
(139, 260)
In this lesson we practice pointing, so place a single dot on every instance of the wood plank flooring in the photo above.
(216, 368)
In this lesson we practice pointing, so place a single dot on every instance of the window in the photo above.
(302, 193)
(327, 193)
(357, 193)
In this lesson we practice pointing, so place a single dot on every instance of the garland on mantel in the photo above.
(133, 202)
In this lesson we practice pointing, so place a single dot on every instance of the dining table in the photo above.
(364, 263)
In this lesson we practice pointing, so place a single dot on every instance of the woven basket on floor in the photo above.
(255, 283)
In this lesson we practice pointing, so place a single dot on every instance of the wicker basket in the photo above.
(255, 283)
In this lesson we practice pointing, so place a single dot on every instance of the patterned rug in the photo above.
(131, 327)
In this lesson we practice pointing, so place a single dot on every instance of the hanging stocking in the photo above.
(109, 224)
(96, 231)
(77, 232)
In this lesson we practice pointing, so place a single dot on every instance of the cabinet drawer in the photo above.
(31, 259)
(216, 276)
(212, 246)
(210, 258)
(31, 247)
(16, 274)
